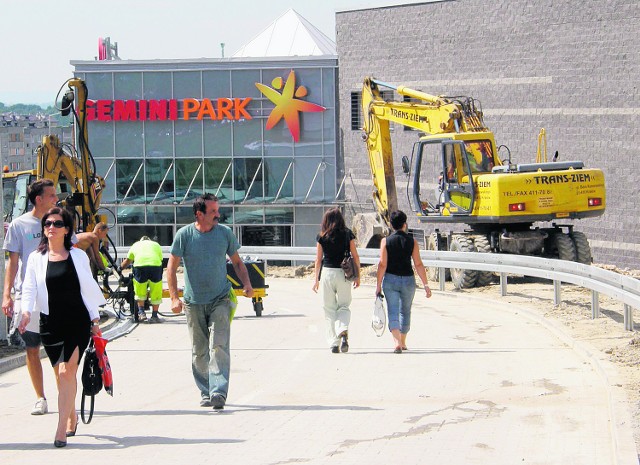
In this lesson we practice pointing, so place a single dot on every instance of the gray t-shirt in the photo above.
(205, 261)
(23, 237)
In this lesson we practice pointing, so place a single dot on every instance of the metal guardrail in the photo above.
(622, 288)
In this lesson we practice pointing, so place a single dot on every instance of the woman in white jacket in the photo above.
(59, 285)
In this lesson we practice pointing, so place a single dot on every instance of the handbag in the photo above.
(348, 265)
(379, 317)
(91, 379)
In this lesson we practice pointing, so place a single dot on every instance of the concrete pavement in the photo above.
(482, 383)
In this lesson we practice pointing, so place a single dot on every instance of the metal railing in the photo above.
(622, 288)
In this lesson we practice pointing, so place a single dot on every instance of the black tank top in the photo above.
(399, 250)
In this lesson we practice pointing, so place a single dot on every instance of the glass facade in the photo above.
(272, 189)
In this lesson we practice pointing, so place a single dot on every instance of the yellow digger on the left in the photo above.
(70, 166)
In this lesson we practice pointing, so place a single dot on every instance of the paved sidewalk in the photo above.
(482, 383)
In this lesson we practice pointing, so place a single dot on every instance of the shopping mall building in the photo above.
(259, 130)
(166, 130)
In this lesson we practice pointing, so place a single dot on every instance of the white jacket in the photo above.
(35, 297)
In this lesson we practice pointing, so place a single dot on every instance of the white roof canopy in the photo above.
(289, 35)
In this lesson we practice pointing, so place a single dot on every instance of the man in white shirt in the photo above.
(23, 237)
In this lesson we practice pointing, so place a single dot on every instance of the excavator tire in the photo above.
(562, 247)
(482, 245)
(583, 249)
(432, 271)
(461, 278)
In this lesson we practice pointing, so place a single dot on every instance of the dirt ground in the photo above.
(605, 334)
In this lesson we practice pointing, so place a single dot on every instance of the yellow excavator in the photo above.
(455, 176)
(70, 167)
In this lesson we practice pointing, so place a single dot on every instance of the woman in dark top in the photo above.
(395, 277)
(58, 284)
(333, 242)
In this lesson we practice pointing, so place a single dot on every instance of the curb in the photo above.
(110, 331)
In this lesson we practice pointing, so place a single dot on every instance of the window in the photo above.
(356, 108)
(247, 179)
(218, 179)
(159, 181)
(129, 180)
(128, 86)
(356, 111)
(101, 139)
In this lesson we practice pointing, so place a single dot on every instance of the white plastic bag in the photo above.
(379, 317)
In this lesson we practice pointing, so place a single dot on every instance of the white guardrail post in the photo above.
(625, 289)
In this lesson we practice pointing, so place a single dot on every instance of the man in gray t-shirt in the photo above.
(204, 247)
(23, 237)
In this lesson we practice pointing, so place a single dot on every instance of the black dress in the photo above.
(68, 324)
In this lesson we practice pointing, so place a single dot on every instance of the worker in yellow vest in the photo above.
(146, 257)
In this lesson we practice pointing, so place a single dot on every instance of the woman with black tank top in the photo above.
(333, 242)
(59, 285)
(395, 277)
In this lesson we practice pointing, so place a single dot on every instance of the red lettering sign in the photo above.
(167, 110)
(125, 110)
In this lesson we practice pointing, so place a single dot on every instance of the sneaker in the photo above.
(344, 347)
(155, 319)
(335, 349)
(142, 316)
(218, 401)
(41, 407)
(205, 402)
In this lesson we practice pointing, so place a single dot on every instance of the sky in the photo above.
(41, 37)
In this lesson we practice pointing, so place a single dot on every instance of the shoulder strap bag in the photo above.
(348, 264)
(91, 380)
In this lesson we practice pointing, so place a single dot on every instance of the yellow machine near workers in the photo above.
(499, 202)
(71, 168)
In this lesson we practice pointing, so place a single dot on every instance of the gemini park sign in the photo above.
(168, 110)
(284, 94)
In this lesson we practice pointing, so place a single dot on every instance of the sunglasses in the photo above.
(56, 224)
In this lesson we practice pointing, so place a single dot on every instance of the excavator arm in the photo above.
(432, 115)
(71, 168)
(61, 165)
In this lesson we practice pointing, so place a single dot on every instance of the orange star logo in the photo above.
(287, 106)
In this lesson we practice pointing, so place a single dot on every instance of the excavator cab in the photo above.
(15, 194)
(455, 191)
(458, 189)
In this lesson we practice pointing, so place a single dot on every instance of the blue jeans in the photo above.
(399, 292)
(209, 329)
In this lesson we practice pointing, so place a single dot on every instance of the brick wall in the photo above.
(569, 66)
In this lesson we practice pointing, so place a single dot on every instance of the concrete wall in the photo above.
(569, 66)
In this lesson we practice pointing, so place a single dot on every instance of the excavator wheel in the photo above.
(432, 271)
(562, 247)
(583, 249)
(463, 279)
(482, 245)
